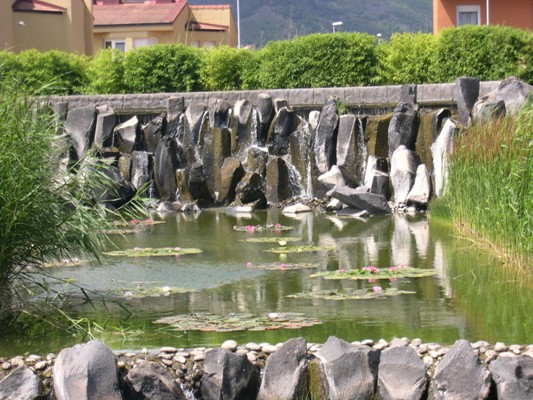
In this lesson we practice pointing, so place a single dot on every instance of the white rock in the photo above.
(168, 349)
(296, 209)
(253, 346)
(500, 347)
(229, 345)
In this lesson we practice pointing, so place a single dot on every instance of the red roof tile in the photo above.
(36, 6)
(137, 13)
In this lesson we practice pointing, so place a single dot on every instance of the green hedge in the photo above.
(318, 60)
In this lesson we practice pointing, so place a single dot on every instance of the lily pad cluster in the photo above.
(300, 249)
(142, 292)
(372, 272)
(65, 262)
(237, 322)
(356, 294)
(277, 266)
(152, 252)
(261, 228)
(274, 239)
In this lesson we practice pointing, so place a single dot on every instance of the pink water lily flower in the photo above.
(342, 271)
(393, 269)
(377, 289)
(249, 264)
(283, 266)
(372, 280)
(134, 221)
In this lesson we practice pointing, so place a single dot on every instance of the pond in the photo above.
(469, 294)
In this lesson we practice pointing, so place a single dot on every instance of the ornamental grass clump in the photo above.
(490, 183)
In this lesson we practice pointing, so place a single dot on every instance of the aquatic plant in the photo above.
(372, 273)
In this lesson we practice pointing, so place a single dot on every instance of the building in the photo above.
(128, 24)
(450, 13)
(86, 26)
(46, 25)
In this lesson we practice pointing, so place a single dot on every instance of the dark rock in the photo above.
(514, 93)
(408, 94)
(174, 118)
(86, 371)
(428, 131)
(250, 190)
(22, 384)
(403, 127)
(152, 133)
(285, 376)
(198, 186)
(105, 122)
(403, 172)
(285, 122)
(351, 150)
(216, 147)
(376, 135)
(218, 113)
(513, 377)
(195, 125)
(257, 160)
(149, 380)
(228, 376)
(380, 184)
(140, 170)
(325, 144)
(112, 189)
(299, 150)
(265, 112)
(80, 127)
(373, 203)
(124, 165)
(231, 174)
(126, 134)
(460, 375)
(165, 165)
(242, 125)
(402, 374)
(350, 371)
(277, 181)
(490, 111)
(279, 104)
(466, 94)
(60, 112)
(182, 183)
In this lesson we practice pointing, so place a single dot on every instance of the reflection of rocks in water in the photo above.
(441, 266)
(401, 241)
(420, 232)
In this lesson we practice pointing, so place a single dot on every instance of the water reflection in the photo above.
(469, 297)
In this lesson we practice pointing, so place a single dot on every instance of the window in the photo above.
(468, 15)
(118, 44)
(141, 42)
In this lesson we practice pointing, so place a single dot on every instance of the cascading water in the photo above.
(295, 180)
(362, 151)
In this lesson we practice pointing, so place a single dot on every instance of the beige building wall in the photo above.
(220, 15)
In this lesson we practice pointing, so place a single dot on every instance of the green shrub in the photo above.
(105, 73)
(163, 68)
(408, 58)
(319, 60)
(222, 68)
(485, 52)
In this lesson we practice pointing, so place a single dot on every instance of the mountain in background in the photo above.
(266, 20)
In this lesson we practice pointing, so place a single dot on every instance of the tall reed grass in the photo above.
(491, 183)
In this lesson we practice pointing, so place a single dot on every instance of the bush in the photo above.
(408, 58)
(222, 68)
(105, 73)
(163, 68)
(319, 60)
(485, 52)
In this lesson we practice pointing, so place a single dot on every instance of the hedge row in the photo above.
(318, 60)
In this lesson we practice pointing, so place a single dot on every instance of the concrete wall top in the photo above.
(353, 97)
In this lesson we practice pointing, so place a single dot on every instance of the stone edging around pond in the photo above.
(292, 370)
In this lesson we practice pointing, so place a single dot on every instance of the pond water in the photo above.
(472, 294)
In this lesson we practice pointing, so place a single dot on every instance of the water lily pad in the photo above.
(361, 294)
(270, 239)
(151, 252)
(300, 249)
(261, 228)
(375, 273)
(66, 262)
(277, 266)
(142, 292)
(237, 322)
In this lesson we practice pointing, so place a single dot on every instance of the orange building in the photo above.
(450, 13)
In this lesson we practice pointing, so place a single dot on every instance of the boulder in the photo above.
(242, 125)
(80, 125)
(332, 178)
(489, 111)
(250, 190)
(402, 374)
(278, 186)
(441, 151)
(126, 134)
(285, 122)
(513, 92)
(380, 184)
(105, 122)
(198, 186)
(408, 94)
(22, 384)
(152, 133)
(404, 164)
(377, 134)
(285, 374)
(228, 376)
(195, 125)
(373, 203)
(231, 174)
(86, 371)
(140, 170)
(174, 117)
(165, 166)
(216, 147)
(428, 131)
(265, 112)
(403, 127)
(182, 183)
(351, 149)
(124, 166)
(513, 377)
(296, 209)
(299, 150)
(420, 193)
(326, 136)
(466, 94)
(149, 380)
(460, 375)
(219, 112)
(349, 371)
(257, 160)
(112, 189)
